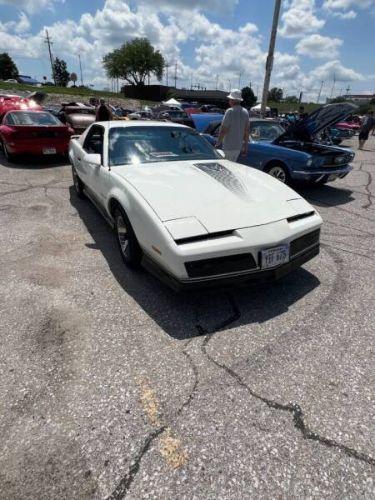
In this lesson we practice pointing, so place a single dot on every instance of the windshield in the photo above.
(32, 118)
(136, 145)
(265, 131)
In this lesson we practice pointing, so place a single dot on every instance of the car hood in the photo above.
(221, 195)
(307, 128)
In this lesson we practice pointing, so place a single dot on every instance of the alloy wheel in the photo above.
(279, 173)
(122, 234)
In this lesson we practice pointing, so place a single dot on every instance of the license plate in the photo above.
(274, 257)
(49, 151)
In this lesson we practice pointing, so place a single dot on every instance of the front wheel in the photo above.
(78, 184)
(130, 250)
(279, 172)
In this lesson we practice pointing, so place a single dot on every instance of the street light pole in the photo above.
(271, 52)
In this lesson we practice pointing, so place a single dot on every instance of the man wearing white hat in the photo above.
(235, 128)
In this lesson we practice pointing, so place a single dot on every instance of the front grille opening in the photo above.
(220, 265)
(204, 237)
(304, 242)
(301, 216)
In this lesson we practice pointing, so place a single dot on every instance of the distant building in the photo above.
(359, 98)
(27, 80)
(160, 93)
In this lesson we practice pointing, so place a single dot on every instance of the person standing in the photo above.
(367, 125)
(103, 113)
(235, 128)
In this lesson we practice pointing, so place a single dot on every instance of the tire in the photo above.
(78, 184)
(8, 156)
(280, 172)
(130, 250)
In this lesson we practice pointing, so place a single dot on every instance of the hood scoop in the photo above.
(225, 177)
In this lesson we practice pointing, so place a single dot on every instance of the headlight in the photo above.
(309, 162)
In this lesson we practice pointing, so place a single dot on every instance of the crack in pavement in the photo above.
(367, 188)
(126, 481)
(340, 209)
(325, 244)
(293, 408)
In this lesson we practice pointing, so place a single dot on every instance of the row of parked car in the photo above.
(296, 153)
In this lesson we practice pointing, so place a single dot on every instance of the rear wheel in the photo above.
(130, 250)
(78, 184)
(280, 173)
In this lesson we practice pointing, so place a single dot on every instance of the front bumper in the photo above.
(250, 278)
(321, 175)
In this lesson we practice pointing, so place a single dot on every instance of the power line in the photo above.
(49, 42)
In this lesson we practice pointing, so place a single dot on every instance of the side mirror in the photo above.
(93, 159)
(221, 153)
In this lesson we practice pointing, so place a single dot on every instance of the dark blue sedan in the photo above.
(294, 155)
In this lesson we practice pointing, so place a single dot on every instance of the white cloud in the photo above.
(30, 6)
(319, 47)
(207, 5)
(344, 8)
(345, 15)
(299, 19)
(335, 70)
(220, 54)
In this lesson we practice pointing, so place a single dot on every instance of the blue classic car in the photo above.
(294, 154)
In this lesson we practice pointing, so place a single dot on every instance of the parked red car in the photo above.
(33, 132)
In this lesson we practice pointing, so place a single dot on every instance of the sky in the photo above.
(214, 43)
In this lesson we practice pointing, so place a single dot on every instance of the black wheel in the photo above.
(78, 184)
(280, 172)
(7, 155)
(131, 252)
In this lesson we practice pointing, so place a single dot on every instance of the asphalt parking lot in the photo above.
(112, 386)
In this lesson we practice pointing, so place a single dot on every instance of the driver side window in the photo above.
(94, 141)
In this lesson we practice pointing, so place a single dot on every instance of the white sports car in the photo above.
(186, 214)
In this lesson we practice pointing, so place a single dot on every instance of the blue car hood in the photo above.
(307, 128)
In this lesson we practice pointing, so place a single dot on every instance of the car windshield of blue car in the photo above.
(265, 131)
(139, 145)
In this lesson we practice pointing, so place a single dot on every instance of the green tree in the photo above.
(61, 73)
(275, 95)
(337, 100)
(292, 99)
(134, 61)
(249, 97)
(372, 100)
(8, 69)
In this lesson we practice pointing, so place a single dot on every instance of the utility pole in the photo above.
(217, 81)
(320, 91)
(175, 75)
(80, 68)
(167, 73)
(271, 52)
(48, 41)
(239, 80)
(334, 84)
